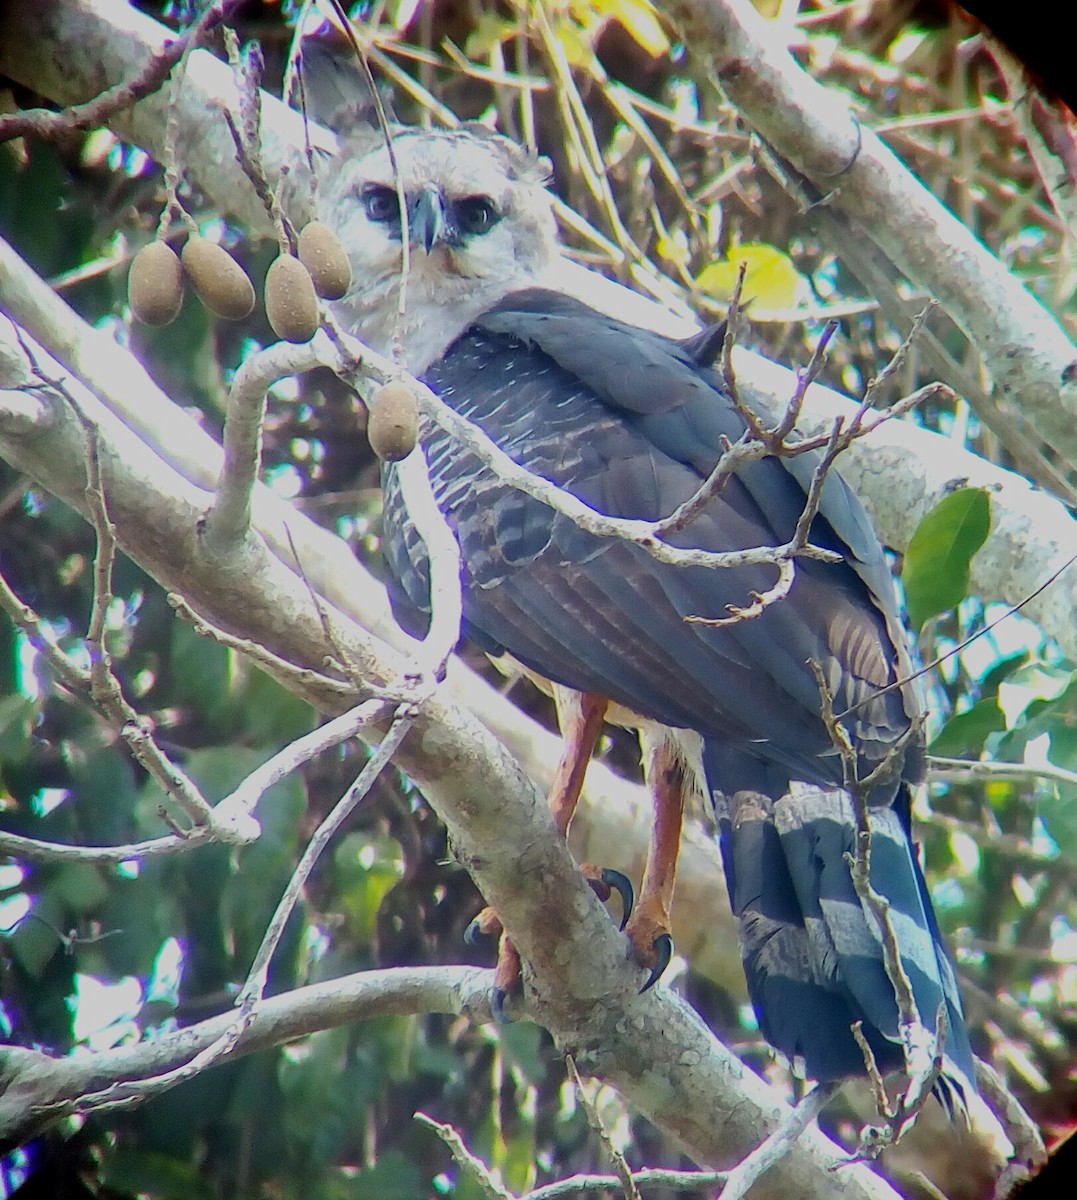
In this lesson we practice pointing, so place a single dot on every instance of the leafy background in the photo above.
(90, 956)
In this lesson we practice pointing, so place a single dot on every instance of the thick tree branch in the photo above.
(589, 1000)
(612, 823)
(583, 982)
(77, 42)
(813, 129)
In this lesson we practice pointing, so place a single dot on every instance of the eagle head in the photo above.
(479, 224)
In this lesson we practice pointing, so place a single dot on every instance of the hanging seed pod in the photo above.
(322, 254)
(155, 284)
(221, 283)
(291, 305)
(392, 422)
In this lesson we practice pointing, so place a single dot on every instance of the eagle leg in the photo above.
(582, 724)
(649, 925)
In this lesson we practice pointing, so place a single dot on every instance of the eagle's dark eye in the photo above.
(475, 214)
(381, 203)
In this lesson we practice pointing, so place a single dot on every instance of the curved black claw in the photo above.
(474, 934)
(663, 948)
(622, 885)
(498, 996)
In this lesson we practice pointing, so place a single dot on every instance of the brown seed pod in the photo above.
(392, 422)
(322, 254)
(221, 283)
(291, 305)
(155, 284)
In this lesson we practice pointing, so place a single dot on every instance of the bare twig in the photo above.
(574, 1185)
(877, 382)
(468, 1162)
(620, 1166)
(757, 441)
(247, 69)
(962, 770)
(361, 51)
(35, 850)
(123, 1094)
(922, 1048)
(760, 601)
(234, 812)
(41, 123)
(771, 1149)
(367, 713)
(99, 685)
(590, 519)
(277, 666)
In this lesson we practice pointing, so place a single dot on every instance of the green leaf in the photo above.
(392, 1177)
(130, 1170)
(936, 570)
(967, 731)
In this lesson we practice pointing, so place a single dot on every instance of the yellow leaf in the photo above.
(489, 32)
(673, 248)
(770, 280)
(575, 42)
(639, 19)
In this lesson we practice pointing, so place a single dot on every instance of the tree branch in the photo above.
(900, 471)
(583, 983)
(813, 128)
(36, 1087)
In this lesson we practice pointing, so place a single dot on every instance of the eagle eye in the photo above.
(475, 214)
(381, 203)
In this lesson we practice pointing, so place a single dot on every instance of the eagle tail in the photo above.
(812, 950)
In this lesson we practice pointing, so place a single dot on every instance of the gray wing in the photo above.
(632, 424)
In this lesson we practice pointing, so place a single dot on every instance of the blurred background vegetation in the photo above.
(663, 187)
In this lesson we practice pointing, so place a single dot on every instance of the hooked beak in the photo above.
(426, 220)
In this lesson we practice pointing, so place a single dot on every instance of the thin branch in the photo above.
(300, 677)
(443, 554)
(620, 1164)
(42, 123)
(468, 1162)
(922, 1048)
(878, 381)
(779, 1143)
(366, 714)
(590, 519)
(362, 51)
(40, 1087)
(228, 519)
(760, 601)
(962, 770)
(234, 813)
(99, 686)
(122, 1094)
(35, 850)
(574, 1185)
(757, 441)
(247, 70)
